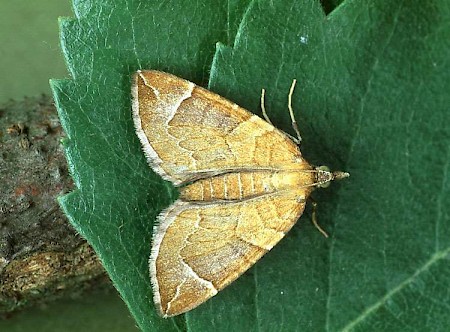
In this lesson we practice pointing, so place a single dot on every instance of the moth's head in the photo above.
(324, 176)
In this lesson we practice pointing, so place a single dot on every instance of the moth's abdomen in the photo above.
(244, 185)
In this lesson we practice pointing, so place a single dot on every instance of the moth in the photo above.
(243, 184)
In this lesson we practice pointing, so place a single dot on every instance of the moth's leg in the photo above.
(291, 112)
(314, 217)
(263, 108)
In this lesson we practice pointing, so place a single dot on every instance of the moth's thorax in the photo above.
(248, 184)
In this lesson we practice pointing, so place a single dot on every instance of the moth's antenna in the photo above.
(291, 112)
(263, 108)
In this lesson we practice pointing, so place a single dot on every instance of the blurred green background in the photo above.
(30, 55)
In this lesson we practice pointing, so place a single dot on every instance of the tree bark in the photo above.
(41, 256)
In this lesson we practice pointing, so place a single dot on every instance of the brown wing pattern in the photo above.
(200, 249)
(188, 132)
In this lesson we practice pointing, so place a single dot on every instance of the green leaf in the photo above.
(372, 99)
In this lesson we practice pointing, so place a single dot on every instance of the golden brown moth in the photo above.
(243, 184)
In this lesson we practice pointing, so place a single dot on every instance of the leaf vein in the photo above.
(434, 259)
